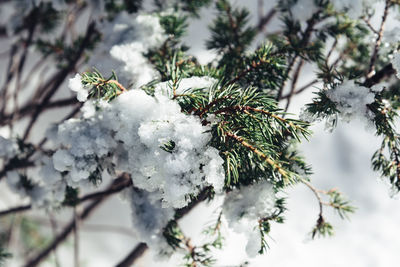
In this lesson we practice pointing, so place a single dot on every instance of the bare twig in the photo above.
(294, 82)
(301, 89)
(53, 224)
(76, 237)
(371, 69)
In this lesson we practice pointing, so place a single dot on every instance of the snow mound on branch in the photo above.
(166, 151)
(352, 100)
(244, 207)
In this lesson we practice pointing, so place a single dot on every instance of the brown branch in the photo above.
(317, 195)
(301, 89)
(263, 22)
(15, 210)
(136, 253)
(387, 71)
(63, 235)
(294, 82)
(378, 41)
(9, 76)
(120, 86)
(368, 22)
(305, 40)
(335, 43)
(76, 236)
(16, 165)
(30, 108)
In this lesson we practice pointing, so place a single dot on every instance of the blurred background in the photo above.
(339, 159)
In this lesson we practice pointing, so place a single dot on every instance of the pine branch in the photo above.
(268, 159)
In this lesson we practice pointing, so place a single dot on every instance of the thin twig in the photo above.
(53, 224)
(371, 69)
(76, 237)
(294, 82)
(268, 159)
(301, 89)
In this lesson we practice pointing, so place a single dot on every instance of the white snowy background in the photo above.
(340, 159)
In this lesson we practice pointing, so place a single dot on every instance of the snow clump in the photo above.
(150, 219)
(165, 151)
(75, 84)
(244, 207)
(352, 100)
(148, 34)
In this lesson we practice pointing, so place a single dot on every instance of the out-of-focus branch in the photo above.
(294, 83)
(378, 41)
(118, 185)
(136, 253)
(30, 107)
(88, 210)
(263, 22)
(60, 77)
(386, 72)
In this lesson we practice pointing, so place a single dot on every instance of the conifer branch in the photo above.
(268, 159)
